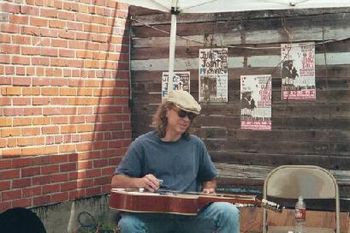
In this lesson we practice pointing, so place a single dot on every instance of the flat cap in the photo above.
(184, 101)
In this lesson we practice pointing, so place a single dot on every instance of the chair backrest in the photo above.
(291, 181)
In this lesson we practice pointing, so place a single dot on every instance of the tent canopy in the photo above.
(211, 6)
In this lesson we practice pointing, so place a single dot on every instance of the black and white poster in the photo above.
(181, 81)
(213, 75)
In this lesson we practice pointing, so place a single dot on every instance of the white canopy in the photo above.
(211, 6)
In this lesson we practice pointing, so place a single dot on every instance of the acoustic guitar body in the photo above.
(143, 202)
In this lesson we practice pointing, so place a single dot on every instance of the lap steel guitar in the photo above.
(178, 203)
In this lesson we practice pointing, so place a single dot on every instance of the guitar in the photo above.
(178, 203)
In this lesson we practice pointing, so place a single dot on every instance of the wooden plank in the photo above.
(260, 172)
(156, 17)
(143, 53)
(323, 73)
(161, 64)
(328, 161)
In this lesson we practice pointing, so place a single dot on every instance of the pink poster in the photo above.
(298, 71)
(256, 102)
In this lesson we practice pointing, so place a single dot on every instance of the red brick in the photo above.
(5, 185)
(30, 172)
(93, 191)
(22, 162)
(21, 183)
(51, 188)
(32, 131)
(31, 91)
(49, 169)
(84, 183)
(10, 49)
(11, 153)
(22, 121)
(54, 159)
(42, 200)
(50, 130)
(102, 180)
(5, 122)
(83, 165)
(68, 186)
(20, 60)
(59, 197)
(12, 91)
(3, 142)
(11, 195)
(39, 22)
(76, 194)
(5, 205)
(100, 163)
(57, 24)
(48, 13)
(31, 191)
(22, 203)
(58, 178)
(9, 174)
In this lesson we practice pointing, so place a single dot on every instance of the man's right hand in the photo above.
(149, 182)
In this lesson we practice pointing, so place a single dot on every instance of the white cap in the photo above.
(183, 100)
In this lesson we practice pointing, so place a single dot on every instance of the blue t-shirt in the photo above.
(182, 165)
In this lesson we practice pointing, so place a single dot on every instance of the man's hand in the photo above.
(149, 182)
(209, 191)
(209, 187)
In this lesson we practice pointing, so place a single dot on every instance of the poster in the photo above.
(181, 81)
(213, 75)
(298, 71)
(255, 101)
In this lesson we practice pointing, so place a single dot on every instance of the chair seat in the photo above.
(285, 229)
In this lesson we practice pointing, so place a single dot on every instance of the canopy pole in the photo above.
(172, 45)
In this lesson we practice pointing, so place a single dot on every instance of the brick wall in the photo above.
(64, 87)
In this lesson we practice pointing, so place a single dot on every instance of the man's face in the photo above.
(179, 120)
(290, 65)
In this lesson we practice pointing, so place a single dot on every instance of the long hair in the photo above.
(160, 120)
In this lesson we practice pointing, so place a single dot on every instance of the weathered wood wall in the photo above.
(303, 132)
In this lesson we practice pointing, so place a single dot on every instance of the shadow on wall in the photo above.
(20, 220)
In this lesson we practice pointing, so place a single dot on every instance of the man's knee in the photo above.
(228, 210)
(130, 224)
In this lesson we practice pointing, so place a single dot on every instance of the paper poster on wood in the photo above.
(213, 75)
(181, 81)
(256, 102)
(298, 71)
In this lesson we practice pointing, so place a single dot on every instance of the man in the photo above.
(169, 158)
(289, 72)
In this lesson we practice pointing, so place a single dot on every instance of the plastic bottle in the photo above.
(300, 215)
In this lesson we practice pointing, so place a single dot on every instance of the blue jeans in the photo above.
(218, 217)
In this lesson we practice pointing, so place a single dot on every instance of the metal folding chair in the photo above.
(312, 182)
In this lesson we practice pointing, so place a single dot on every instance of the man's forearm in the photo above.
(123, 181)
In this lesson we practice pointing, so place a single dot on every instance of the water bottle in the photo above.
(300, 215)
